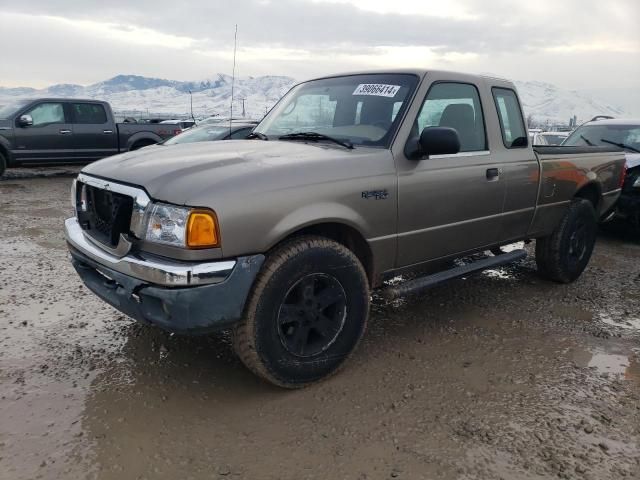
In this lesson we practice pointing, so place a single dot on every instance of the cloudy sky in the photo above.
(577, 44)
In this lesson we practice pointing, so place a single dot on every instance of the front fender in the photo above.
(317, 214)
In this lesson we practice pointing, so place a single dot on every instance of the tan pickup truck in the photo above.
(348, 181)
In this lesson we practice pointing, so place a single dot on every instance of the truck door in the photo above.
(50, 138)
(449, 204)
(520, 165)
(95, 135)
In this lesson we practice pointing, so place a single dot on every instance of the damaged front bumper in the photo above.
(176, 296)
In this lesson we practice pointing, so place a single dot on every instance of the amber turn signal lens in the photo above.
(202, 230)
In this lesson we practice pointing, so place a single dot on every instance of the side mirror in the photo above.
(434, 141)
(439, 141)
(25, 121)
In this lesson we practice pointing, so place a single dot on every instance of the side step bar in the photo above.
(429, 281)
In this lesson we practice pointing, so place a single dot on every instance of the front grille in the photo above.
(107, 214)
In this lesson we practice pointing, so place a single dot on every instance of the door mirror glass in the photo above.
(25, 121)
(438, 141)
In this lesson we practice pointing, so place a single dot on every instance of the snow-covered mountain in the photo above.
(546, 102)
(134, 94)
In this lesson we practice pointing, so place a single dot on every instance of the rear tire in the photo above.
(306, 313)
(563, 255)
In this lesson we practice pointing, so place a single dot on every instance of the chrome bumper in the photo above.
(152, 270)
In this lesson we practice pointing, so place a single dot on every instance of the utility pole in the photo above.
(244, 112)
(233, 77)
(191, 97)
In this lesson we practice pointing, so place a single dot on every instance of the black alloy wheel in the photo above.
(312, 315)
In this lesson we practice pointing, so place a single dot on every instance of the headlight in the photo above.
(182, 227)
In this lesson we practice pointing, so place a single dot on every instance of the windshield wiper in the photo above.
(259, 135)
(587, 141)
(315, 136)
(621, 145)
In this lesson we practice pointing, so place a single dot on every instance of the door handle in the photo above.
(65, 131)
(493, 174)
(107, 131)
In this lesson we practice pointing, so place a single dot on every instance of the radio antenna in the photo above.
(233, 76)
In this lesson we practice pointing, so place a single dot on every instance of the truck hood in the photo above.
(4, 124)
(633, 160)
(178, 173)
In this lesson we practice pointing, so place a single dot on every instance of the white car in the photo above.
(549, 138)
(183, 124)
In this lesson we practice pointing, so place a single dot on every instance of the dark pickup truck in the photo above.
(56, 130)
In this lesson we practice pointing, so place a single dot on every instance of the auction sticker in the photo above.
(377, 89)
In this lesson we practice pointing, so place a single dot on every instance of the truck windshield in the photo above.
(625, 136)
(7, 111)
(358, 109)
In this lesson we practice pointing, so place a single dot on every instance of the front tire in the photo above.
(306, 314)
(3, 164)
(563, 255)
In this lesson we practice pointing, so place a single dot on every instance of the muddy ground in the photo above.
(501, 375)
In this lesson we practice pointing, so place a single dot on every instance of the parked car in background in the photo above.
(152, 120)
(217, 120)
(549, 138)
(624, 134)
(65, 130)
(183, 124)
(207, 133)
(348, 181)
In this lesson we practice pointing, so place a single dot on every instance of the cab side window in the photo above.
(457, 106)
(47, 114)
(514, 133)
(89, 113)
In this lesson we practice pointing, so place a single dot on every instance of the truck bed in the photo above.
(561, 150)
(595, 172)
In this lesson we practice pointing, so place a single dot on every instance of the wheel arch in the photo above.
(592, 192)
(142, 139)
(344, 234)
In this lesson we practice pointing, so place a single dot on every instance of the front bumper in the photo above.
(176, 296)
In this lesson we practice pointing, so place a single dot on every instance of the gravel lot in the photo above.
(501, 375)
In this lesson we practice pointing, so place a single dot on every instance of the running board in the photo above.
(429, 281)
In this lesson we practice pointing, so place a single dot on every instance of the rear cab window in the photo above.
(455, 105)
(89, 113)
(514, 133)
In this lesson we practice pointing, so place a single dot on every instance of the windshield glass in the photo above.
(7, 111)
(199, 134)
(360, 109)
(604, 135)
